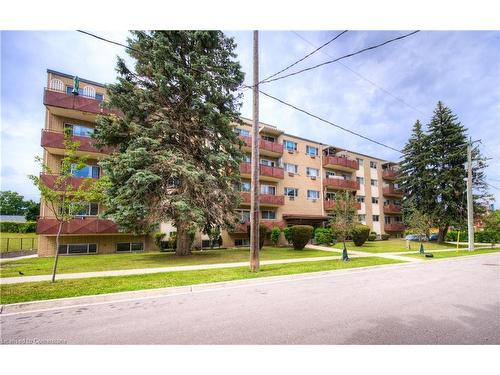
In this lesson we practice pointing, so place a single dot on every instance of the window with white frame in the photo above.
(268, 215)
(56, 84)
(312, 151)
(92, 171)
(128, 247)
(244, 216)
(373, 182)
(360, 162)
(360, 198)
(330, 196)
(79, 130)
(291, 192)
(291, 168)
(373, 164)
(247, 159)
(269, 163)
(362, 218)
(268, 138)
(268, 189)
(242, 132)
(89, 209)
(74, 248)
(245, 186)
(361, 180)
(89, 92)
(312, 172)
(387, 220)
(375, 200)
(312, 194)
(375, 218)
(290, 145)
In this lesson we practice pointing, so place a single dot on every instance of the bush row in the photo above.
(14, 227)
(486, 236)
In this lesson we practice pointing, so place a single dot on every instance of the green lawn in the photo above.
(23, 292)
(452, 254)
(394, 245)
(17, 241)
(88, 263)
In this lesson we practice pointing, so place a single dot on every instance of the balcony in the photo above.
(243, 228)
(266, 173)
(330, 204)
(51, 179)
(340, 184)
(390, 191)
(392, 209)
(389, 174)
(266, 148)
(53, 142)
(340, 163)
(394, 227)
(83, 226)
(74, 106)
(264, 199)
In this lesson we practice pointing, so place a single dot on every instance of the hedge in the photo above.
(360, 234)
(15, 227)
(323, 236)
(301, 234)
(486, 236)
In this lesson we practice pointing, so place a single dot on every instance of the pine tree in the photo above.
(177, 155)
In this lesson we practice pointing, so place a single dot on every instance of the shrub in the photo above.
(372, 237)
(323, 235)
(301, 234)
(385, 237)
(172, 240)
(159, 239)
(275, 235)
(263, 232)
(485, 236)
(287, 231)
(15, 227)
(360, 234)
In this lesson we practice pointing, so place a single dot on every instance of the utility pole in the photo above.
(254, 200)
(470, 209)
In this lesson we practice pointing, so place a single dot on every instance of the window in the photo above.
(245, 186)
(360, 199)
(244, 216)
(312, 194)
(291, 192)
(312, 151)
(268, 189)
(99, 97)
(56, 84)
(268, 138)
(330, 174)
(92, 171)
(247, 159)
(289, 145)
(360, 162)
(375, 218)
(292, 168)
(89, 91)
(92, 209)
(398, 219)
(267, 162)
(361, 180)
(268, 215)
(241, 242)
(84, 248)
(373, 182)
(387, 220)
(80, 130)
(375, 200)
(312, 172)
(362, 218)
(242, 132)
(373, 164)
(69, 90)
(127, 247)
(330, 196)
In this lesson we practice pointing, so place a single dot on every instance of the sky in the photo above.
(379, 93)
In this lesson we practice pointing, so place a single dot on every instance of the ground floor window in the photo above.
(81, 248)
(268, 215)
(242, 242)
(123, 247)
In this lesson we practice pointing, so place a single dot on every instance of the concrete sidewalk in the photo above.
(141, 271)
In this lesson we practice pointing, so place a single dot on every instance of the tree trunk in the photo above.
(442, 234)
(183, 240)
(54, 269)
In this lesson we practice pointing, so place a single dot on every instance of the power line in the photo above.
(342, 57)
(328, 122)
(363, 77)
(305, 57)
(494, 187)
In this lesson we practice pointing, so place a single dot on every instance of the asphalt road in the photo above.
(451, 302)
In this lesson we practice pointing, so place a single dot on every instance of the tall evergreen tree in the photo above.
(177, 155)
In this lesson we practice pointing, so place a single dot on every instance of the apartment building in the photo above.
(298, 179)
(86, 233)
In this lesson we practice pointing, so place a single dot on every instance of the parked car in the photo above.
(433, 237)
(416, 237)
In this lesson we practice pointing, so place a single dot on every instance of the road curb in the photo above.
(75, 302)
